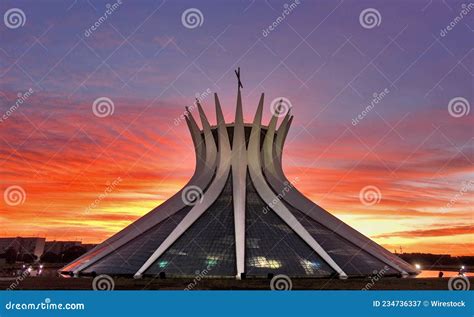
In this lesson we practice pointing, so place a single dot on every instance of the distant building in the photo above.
(23, 246)
(37, 246)
(58, 247)
(88, 246)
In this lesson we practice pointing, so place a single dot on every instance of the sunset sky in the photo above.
(410, 145)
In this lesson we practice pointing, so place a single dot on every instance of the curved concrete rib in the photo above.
(205, 166)
(211, 149)
(239, 173)
(267, 152)
(209, 196)
(281, 137)
(277, 179)
(268, 195)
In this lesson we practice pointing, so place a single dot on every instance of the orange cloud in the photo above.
(436, 232)
(66, 157)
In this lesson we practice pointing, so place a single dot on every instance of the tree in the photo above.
(11, 255)
(50, 257)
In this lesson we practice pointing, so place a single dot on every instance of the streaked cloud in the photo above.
(143, 59)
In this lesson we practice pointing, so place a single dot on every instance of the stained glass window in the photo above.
(352, 259)
(130, 257)
(208, 245)
(273, 247)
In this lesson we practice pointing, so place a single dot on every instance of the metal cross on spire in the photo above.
(237, 73)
